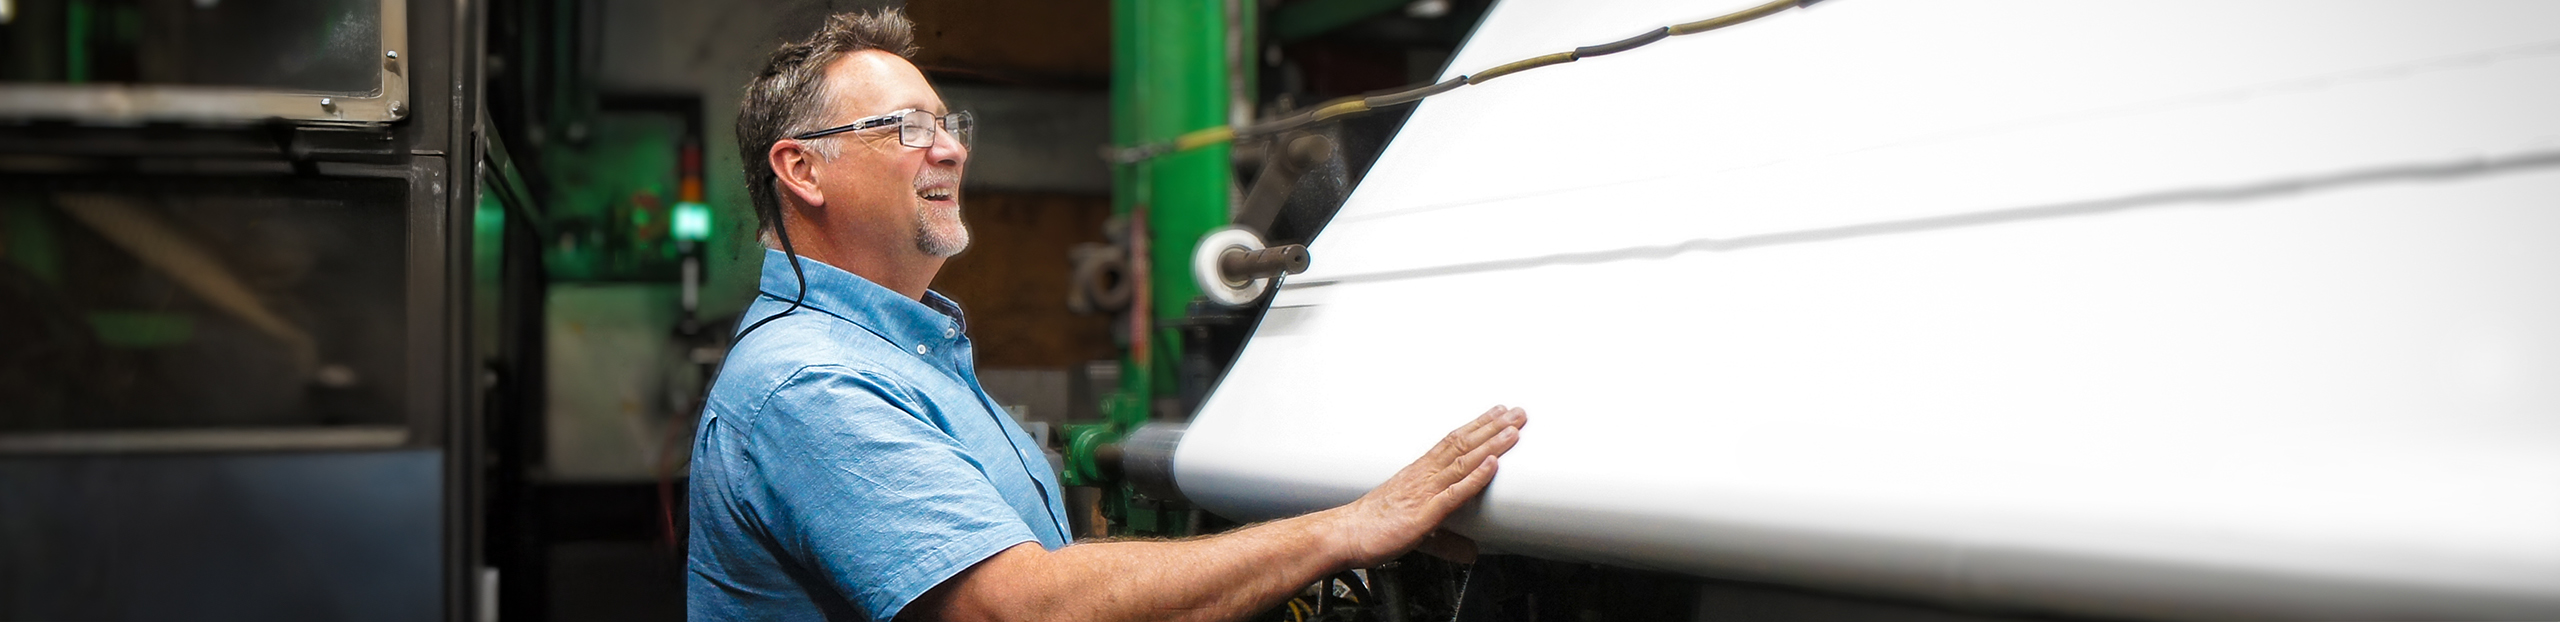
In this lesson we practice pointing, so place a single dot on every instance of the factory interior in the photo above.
(1826, 310)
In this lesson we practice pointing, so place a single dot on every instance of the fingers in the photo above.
(1465, 489)
(1483, 428)
(1468, 435)
(1476, 432)
(1500, 443)
(1455, 472)
(1462, 451)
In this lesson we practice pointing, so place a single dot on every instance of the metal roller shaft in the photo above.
(1144, 459)
(1240, 265)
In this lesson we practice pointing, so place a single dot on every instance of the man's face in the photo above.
(892, 193)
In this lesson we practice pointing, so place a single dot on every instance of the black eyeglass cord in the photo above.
(780, 231)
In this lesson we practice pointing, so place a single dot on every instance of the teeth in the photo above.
(936, 194)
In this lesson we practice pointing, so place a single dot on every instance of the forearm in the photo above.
(1235, 574)
(1223, 577)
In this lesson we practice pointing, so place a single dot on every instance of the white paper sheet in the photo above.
(2175, 308)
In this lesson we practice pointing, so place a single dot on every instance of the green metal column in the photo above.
(1128, 190)
(1169, 76)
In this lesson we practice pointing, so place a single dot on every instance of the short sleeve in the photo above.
(858, 485)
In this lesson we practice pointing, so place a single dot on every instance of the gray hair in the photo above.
(790, 95)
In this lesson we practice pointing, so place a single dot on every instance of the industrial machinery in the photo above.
(1852, 310)
(1952, 310)
(1180, 269)
(239, 375)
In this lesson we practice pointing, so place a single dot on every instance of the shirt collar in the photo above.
(893, 316)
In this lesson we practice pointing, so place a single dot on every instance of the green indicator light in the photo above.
(693, 221)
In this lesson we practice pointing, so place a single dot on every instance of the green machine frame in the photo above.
(1173, 72)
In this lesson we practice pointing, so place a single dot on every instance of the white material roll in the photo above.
(2164, 309)
(1213, 281)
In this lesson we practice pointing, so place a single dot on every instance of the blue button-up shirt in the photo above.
(848, 461)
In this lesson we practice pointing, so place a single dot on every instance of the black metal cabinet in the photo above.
(238, 378)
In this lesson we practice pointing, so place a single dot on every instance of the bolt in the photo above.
(399, 110)
(328, 104)
(391, 54)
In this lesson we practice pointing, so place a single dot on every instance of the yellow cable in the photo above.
(1350, 107)
(1517, 66)
(1204, 138)
(1744, 15)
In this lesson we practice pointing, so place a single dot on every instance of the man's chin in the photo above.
(943, 243)
(939, 231)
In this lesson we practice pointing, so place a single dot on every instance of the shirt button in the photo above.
(952, 331)
(923, 349)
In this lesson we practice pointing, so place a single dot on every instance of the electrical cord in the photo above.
(1359, 104)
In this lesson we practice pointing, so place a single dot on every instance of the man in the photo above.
(848, 466)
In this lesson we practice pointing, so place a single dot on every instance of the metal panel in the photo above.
(412, 516)
(311, 536)
(386, 100)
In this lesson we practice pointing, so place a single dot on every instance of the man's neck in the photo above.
(910, 282)
(907, 271)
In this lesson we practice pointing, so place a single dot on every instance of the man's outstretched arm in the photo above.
(1234, 574)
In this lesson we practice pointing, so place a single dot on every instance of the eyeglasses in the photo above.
(915, 127)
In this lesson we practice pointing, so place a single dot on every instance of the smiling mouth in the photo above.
(935, 194)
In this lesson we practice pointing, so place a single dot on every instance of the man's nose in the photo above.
(946, 149)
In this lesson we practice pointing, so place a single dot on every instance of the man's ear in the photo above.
(797, 169)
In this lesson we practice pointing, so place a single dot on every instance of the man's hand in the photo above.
(1232, 575)
(1398, 515)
